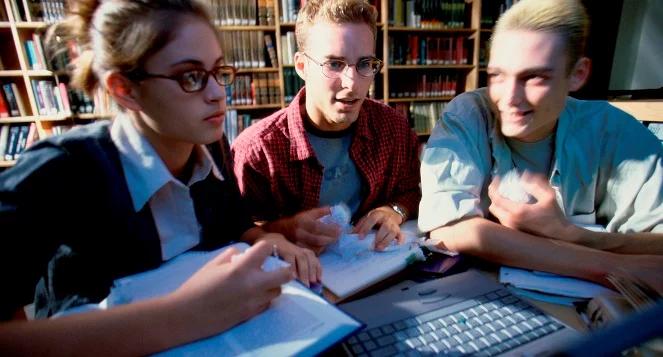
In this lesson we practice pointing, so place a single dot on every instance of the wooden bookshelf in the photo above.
(467, 75)
(643, 110)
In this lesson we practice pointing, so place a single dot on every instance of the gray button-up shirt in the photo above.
(607, 168)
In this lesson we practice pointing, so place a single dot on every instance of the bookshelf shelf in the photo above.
(11, 120)
(39, 73)
(247, 28)
(5, 25)
(431, 66)
(92, 116)
(11, 73)
(253, 107)
(55, 117)
(31, 25)
(420, 99)
(258, 70)
(429, 29)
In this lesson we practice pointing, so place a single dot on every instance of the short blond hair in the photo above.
(567, 18)
(334, 11)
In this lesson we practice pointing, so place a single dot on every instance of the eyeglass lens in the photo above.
(196, 80)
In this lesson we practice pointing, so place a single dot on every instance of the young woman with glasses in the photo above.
(111, 199)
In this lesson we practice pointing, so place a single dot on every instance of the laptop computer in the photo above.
(463, 314)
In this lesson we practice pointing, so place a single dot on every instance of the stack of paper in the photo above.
(559, 289)
(352, 264)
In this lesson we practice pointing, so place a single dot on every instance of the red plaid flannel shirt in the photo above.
(279, 174)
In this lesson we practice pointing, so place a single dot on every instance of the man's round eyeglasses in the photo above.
(333, 68)
(194, 80)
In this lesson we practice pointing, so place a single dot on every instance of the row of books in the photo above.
(34, 50)
(292, 83)
(50, 11)
(52, 99)
(235, 123)
(492, 10)
(422, 116)
(14, 138)
(425, 85)
(249, 49)
(422, 50)
(15, 8)
(288, 48)
(58, 98)
(289, 9)
(254, 89)
(429, 13)
(243, 12)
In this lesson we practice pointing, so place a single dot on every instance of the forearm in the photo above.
(252, 235)
(624, 243)
(281, 225)
(491, 241)
(135, 329)
(409, 201)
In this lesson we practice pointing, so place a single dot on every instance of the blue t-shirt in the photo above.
(341, 182)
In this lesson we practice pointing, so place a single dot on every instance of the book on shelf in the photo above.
(30, 54)
(271, 51)
(12, 141)
(4, 136)
(16, 140)
(298, 322)
(292, 83)
(21, 140)
(421, 115)
(33, 135)
(17, 10)
(262, 13)
(39, 51)
(12, 101)
(290, 9)
(4, 107)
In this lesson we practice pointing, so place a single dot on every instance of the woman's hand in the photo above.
(224, 293)
(303, 260)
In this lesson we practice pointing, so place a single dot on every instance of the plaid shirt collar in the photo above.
(300, 148)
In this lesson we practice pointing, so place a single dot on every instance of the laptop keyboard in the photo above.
(487, 325)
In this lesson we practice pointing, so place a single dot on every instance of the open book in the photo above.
(297, 323)
(351, 264)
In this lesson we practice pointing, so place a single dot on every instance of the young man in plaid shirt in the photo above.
(331, 144)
